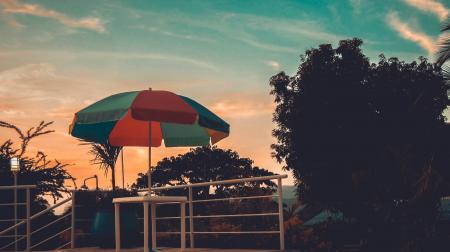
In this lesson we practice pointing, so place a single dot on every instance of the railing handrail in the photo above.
(191, 202)
(20, 187)
(51, 237)
(236, 198)
(191, 215)
(29, 218)
(12, 227)
(217, 216)
(222, 182)
(11, 243)
(51, 223)
(50, 208)
(35, 216)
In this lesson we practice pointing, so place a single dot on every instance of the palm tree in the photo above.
(105, 155)
(443, 54)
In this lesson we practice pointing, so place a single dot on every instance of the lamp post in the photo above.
(96, 182)
(15, 168)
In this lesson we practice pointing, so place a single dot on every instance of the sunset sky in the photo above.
(57, 57)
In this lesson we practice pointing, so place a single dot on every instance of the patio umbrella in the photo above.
(145, 118)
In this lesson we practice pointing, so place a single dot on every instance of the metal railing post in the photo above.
(15, 211)
(28, 202)
(280, 213)
(183, 226)
(191, 219)
(145, 227)
(72, 229)
(117, 225)
(153, 222)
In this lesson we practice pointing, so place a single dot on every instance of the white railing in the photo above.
(27, 221)
(17, 237)
(191, 203)
(30, 245)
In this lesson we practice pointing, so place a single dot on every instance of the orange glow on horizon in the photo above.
(244, 138)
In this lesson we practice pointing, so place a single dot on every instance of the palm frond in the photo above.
(445, 27)
(443, 54)
(446, 72)
(104, 155)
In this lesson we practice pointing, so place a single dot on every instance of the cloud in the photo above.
(242, 106)
(253, 30)
(11, 21)
(152, 56)
(432, 6)
(334, 11)
(28, 72)
(174, 34)
(11, 113)
(293, 28)
(275, 65)
(64, 112)
(186, 36)
(21, 83)
(266, 46)
(113, 55)
(407, 32)
(356, 5)
(16, 7)
(40, 87)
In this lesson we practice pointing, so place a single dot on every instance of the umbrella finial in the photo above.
(149, 89)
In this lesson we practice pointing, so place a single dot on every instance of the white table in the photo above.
(153, 200)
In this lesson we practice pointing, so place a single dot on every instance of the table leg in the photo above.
(153, 213)
(183, 226)
(146, 227)
(117, 225)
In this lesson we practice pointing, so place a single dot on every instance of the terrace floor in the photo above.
(166, 250)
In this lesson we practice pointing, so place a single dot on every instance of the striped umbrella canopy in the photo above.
(146, 118)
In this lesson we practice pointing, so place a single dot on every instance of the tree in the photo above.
(105, 156)
(35, 169)
(366, 139)
(48, 176)
(444, 50)
(205, 164)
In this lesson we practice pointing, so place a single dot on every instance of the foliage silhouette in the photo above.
(48, 176)
(105, 156)
(366, 139)
(444, 46)
(205, 164)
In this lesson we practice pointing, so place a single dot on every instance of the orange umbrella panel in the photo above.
(131, 132)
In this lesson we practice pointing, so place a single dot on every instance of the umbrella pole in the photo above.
(149, 158)
(123, 173)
